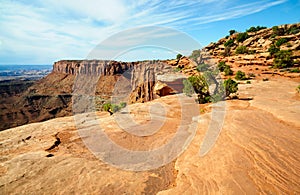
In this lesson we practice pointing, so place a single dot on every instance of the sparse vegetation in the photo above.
(242, 37)
(273, 49)
(113, 108)
(280, 41)
(294, 30)
(298, 89)
(229, 43)
(240, 75)
(295, 70)
(277, 31)
(248, 82)
(178, 56)
(241, 50)
(283, 59)
(198, 85)
(202, 67)
(255, 29)
(230, 86)
(177, 69)
(221, 66)
(265, 79)
(231, 32)
(228, 71)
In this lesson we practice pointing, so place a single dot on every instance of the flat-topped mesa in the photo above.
(92, 67)
(140, 76)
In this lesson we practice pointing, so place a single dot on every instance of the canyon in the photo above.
(53, 129)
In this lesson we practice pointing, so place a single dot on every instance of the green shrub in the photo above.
(231, 32)
(229, 43)
(115, 108)
(178, 56)
(248, 82)
(294, 30)
(106, 106)
(230, 86)
(265, 79)
(195, 55)
(198, 85)
(295, 70)
(255, 29)
(202, 67)
(277, 31)
(242, 37)
(240, 75)
(298, 89)
(177, 69)
(228, 71)
(221, 66)
(123, 104)
(273, 49)
(241, 50)
(280, 41)
(283, 59)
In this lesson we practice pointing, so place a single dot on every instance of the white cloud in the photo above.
(44, 30)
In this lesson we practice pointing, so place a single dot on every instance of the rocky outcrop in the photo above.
(258, 44)
(92, 67)
(51, 96)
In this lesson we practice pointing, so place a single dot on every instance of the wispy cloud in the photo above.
(46, 30)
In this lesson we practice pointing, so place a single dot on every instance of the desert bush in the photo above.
(221, 66)
(113, 108)
(202, 67)
(177, 69)
(198, 85)
(283, 59)
(295, 70)
(255, 29)
(229, 43)
(195, 55)
(231, 32)
(241, 50)
(294, 30)
(230, 86)
(228, 71)
(298, 89)
(280, 41)
(178, 56)
(248, 82)
(240, 75)
(106, 106)
(273, 49)
(123, 104)
(265, 79)
(242, 37)
(277, 31)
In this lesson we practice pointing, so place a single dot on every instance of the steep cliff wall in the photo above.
(92, 67)
(51, 96)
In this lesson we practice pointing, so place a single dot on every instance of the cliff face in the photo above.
(141, 76)
(51, 96)
(92, 67)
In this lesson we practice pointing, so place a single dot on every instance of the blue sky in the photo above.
(44, 31)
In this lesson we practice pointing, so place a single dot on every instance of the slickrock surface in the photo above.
(258, 151)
